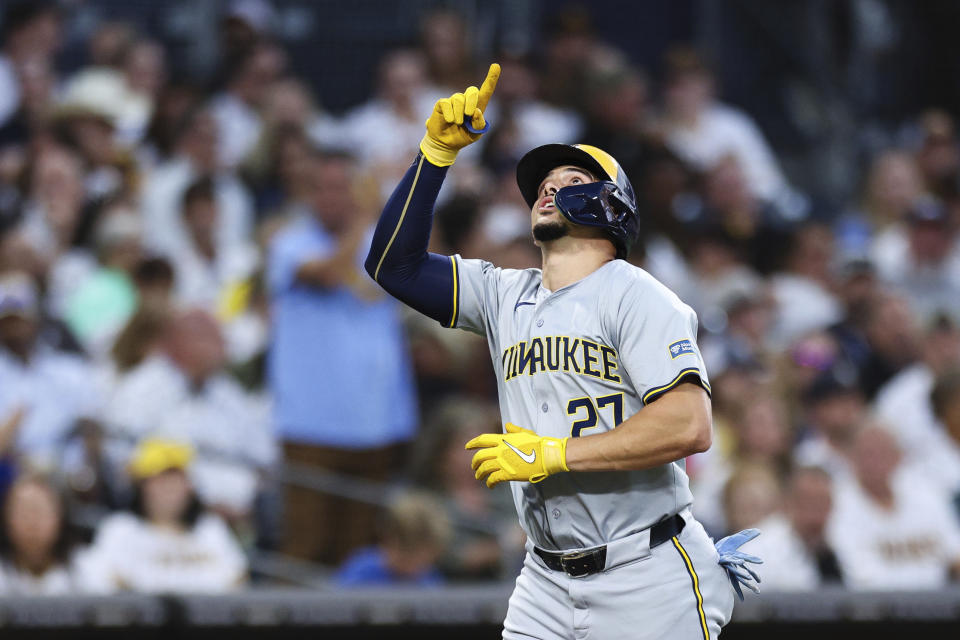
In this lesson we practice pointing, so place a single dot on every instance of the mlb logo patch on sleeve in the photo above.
(680, 347)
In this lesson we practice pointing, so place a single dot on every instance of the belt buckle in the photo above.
(579, 564)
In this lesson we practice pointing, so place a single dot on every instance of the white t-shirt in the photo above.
(904, 405)
(802, 306)
(787, 564)
(722, 130)
(909, 547)
(128, 553)
(55, 581)
(56, 389)
(238, 125)
(161, 202)
(202, 283)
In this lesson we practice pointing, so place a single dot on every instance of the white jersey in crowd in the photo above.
(579, 361)
(910, 546)
(58, 580)
(130, 554)
(787, 564)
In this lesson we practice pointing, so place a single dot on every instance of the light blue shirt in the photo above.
(339, 366)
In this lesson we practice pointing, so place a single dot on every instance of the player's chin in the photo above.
(550, 229)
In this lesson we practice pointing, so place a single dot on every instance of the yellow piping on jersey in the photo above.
(696, 587)
(456, 293)
(403, 213)
(675, 382)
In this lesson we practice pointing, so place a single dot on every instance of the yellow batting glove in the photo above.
(518, 454)
(458, 121)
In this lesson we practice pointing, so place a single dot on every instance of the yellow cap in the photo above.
(155, 455)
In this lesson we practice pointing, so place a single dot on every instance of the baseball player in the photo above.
(602, 390)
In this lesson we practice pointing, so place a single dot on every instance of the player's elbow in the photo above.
(698, 435)
(702, 437)
(370, 264)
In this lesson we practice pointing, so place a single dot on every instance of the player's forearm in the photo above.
(398, 259)
(675, 426)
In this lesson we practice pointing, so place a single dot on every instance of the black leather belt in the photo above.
(584, 563)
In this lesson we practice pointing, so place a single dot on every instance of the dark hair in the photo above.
(151, 271)
(64, 542)
(21, 14)
(164, 127)
(189, 517)
(203, 188)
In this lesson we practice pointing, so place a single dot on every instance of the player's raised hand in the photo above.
(518, 454)
(458, 121)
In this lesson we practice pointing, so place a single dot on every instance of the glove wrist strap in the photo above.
(438, 154)
(555, 455)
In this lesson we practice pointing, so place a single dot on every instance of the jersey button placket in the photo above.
(540, 322)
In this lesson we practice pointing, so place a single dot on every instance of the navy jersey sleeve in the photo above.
(398, 259)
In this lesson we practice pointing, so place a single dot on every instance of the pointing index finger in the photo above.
(489, 84)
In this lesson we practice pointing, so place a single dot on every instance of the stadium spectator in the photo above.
(745, 339)
(292, 123)
(140, 337)
(517, 106)
(237, 109)
(702, 130)
(486, 542)
(125, 78)
(52, 387)
(194, 155)
(403, 96)
(102, 300)
(445, 41)
(571, 49)
(938, 155)
(943, 461)
(921, 258)
(205, 268)
(893, 184)
(38, 90)
(31, 30)
(154, 279)
(168, 542)
(835, 412)
(905, 404)
(339, 368)
(891, 330)
(714, 275)
(759, 434)
(750, 495)
(891, 528)
(793, 545)
(36, 550)
(243, 25)
(413, 535)
(51, 216)
(182, 392)
(803, 291)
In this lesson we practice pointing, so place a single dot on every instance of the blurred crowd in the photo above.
(195, 369)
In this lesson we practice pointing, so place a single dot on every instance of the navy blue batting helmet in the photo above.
(609, 204)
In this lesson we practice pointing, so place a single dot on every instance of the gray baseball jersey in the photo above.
(579, 361)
